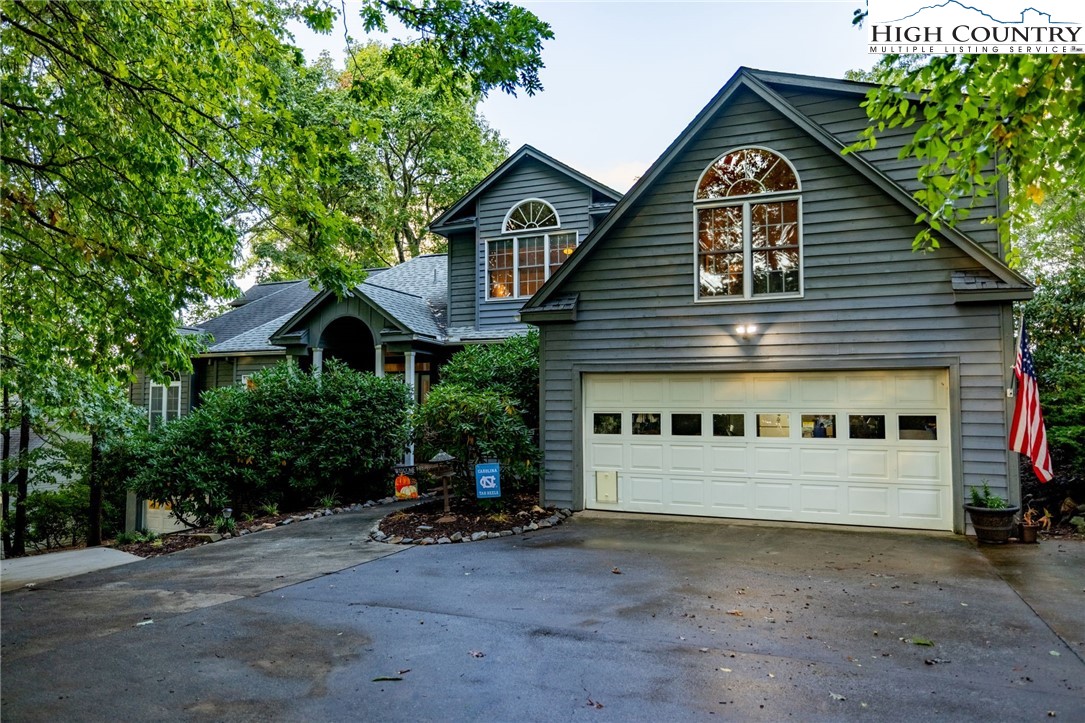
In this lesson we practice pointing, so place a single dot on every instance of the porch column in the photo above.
(318, 360)
(378, 363)
(409, 377)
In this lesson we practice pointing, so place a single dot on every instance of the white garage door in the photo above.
(858, 448)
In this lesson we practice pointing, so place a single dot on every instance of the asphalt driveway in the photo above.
(602, 618)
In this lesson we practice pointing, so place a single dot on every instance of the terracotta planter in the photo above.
(992, 526)
(1028, 533)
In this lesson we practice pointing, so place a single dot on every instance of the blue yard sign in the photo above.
(487, 480)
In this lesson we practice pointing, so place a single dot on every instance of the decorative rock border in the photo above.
(326, 512)
(555, 519)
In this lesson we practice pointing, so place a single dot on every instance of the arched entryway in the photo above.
(349, 340)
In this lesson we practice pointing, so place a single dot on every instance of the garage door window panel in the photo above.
(748, 227)
(728, 425)
(686, 425)
(819, 426)
(773, 425)
(866, 426)
(647, 423)
(917, 426)
(607, 423)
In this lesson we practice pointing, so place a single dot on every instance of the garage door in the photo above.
(858, 448)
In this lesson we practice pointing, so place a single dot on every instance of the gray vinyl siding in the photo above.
(845, 119)
(253, 364)
(869, 302)
(530, 179)
(462, 279)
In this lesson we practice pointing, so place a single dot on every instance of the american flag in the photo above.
(1027, 433)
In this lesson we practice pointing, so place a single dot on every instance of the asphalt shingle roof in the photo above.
(267, 302)
(255, 339)
(414, 293)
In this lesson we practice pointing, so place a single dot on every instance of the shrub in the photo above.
(474, 425)
(287, 438)
(510, 368)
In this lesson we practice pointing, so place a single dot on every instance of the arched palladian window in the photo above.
(748, 237)
(531, 214)
(534, 247)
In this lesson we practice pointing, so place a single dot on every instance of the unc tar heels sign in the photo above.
(487, 480)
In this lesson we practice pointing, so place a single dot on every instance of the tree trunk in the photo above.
(94, 477)
(22, 478)
(5, 423)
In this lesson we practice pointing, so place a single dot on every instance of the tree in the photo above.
(396, 155)
(140, 138)
(433, 147)
(980, 118)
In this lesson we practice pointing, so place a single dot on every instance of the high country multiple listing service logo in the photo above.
(976, 26)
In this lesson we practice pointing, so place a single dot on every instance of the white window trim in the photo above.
(524, 231)
(516, 259)
(745, 202)
(161, 412)
(773, 151)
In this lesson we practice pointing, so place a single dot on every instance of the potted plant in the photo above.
(1032, 522)
(992, 518)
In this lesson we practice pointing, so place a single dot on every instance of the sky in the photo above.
(623, 79)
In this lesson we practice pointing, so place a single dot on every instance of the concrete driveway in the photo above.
(603, 618)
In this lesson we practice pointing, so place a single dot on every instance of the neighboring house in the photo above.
(749, 334)
(505, 238)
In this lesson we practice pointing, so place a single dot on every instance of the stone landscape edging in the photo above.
(557, 518)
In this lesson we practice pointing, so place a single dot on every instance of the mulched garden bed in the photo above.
(467, 517)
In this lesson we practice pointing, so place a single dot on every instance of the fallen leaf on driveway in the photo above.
(594, 704)
(476, 653)
(922, 641)
(736, 613)
(616, 571)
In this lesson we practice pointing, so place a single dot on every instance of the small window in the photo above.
(773, 425)
(164, 403)
(607, 423)
(686, 425)
(646, 422)
(819, 426)
(728, 425)
(866, 426)
(918, 426)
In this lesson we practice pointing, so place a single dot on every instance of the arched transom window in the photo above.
(748, 237)
(531, 214)
(533, 248)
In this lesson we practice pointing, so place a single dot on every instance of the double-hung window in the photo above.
(534, 247)
(164, 403)
(748, 209)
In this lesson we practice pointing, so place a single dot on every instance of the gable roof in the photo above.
(525, 152)
(411, 296)
(760, 83)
